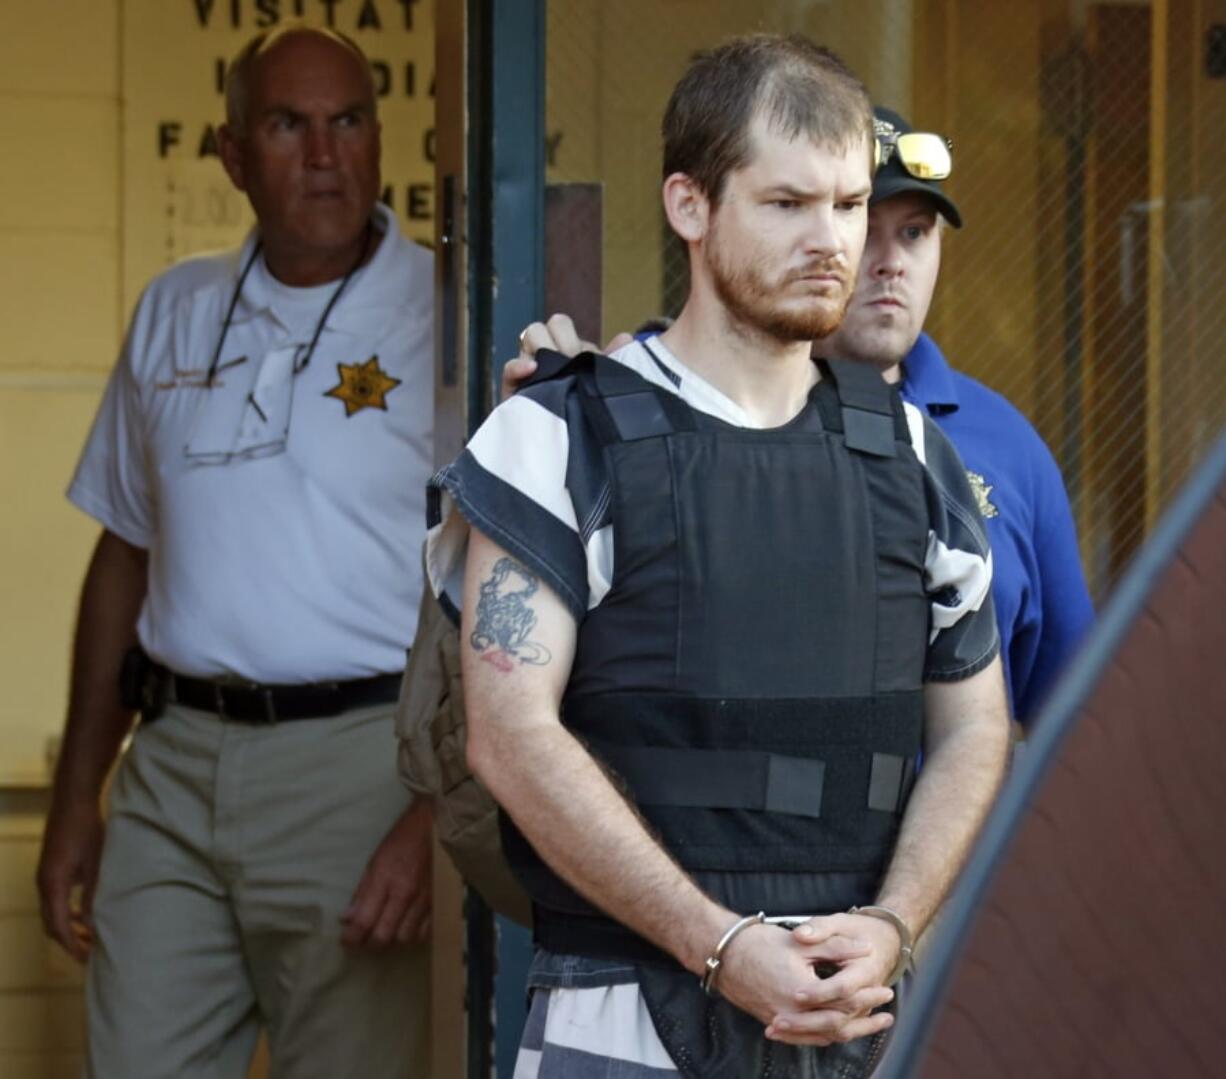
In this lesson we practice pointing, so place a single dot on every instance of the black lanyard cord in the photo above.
(225, 326)
(323, 319)
(319, 326)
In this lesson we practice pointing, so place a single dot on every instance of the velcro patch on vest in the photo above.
(869, 432)
(719, 779)
(638, 415)
(889, 782)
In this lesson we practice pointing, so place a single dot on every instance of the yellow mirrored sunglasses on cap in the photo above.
(924, 155)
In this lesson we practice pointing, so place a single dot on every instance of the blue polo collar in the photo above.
(927, 379)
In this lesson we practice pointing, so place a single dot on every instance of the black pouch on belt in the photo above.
(710, 1038)
(142, 684)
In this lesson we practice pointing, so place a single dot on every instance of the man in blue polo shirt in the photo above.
(1042, 604)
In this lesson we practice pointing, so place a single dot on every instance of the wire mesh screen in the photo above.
(1089, 282)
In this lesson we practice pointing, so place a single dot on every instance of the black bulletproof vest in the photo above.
(753, 676)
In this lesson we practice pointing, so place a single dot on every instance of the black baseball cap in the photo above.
(893, 179)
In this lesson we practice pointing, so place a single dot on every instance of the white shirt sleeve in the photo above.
(111, 482)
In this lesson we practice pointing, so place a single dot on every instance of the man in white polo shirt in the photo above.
(258, 466)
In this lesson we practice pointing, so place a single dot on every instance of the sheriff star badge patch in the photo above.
(363, 385)
(981, 489)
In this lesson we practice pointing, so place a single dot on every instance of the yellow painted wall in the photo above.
(41, 1028)
(60, 313)
(60, 318)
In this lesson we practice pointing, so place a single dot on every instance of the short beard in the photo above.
(749, 299)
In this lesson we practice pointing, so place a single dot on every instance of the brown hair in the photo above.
(799, 88)
(238, 74)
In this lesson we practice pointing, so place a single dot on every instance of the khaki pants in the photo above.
(231, 852)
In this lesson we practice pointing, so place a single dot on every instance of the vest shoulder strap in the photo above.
(871, 411)
(622, 406)
(618, 402)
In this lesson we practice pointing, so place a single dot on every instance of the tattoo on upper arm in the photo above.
(504, 619)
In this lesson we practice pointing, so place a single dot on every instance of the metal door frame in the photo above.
(490, 118)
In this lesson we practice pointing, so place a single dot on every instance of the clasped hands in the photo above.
(772, 973)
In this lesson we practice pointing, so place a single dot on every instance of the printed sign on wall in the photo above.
(177, 198)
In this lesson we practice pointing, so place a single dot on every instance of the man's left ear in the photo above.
(231, 155)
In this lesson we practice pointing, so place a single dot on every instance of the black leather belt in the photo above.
(251, 702)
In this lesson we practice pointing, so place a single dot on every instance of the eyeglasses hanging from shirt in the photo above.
(244, 418)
